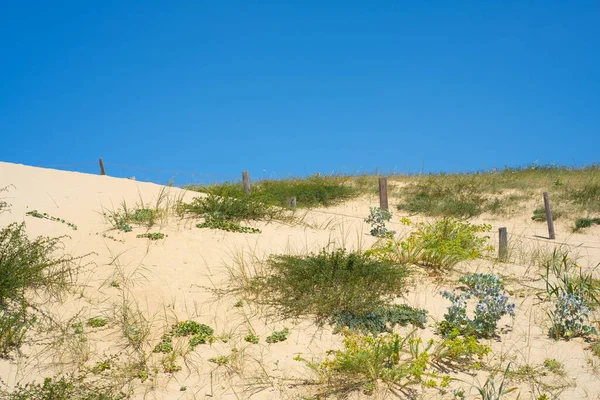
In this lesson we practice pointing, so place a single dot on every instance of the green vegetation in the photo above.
(27, 266)
(232, 209)
(441, 244)
(152, 236)
(278, 336)
(582, 223)
(141, 214)
(377, 219)
(500, 192)
(397, 362)
(220, 360)
(492, 305)
(199, 333)
(539, 214)
(575, 294)
(325, 284)
(70, 387)
(251, 338)
(97, 322)
(37, 214)
(379, 320)
(314, 191)
(218, 221)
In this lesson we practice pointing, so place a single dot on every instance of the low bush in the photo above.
(377, 219)
(379, 320)
(575, 294)
(492, 305)
(441, 244)
(327, 283)
(69, 387)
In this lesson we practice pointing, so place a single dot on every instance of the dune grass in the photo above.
(314, 191)
(498, 192)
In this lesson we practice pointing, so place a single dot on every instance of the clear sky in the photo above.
(292, 88)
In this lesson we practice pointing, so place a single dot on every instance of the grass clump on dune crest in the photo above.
(314, 191)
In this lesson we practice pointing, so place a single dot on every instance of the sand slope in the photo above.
(172, 279)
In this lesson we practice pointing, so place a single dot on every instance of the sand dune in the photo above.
(174, 279)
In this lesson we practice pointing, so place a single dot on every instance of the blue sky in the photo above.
(293, 88)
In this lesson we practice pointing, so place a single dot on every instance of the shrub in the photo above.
(492, 304)
(379, 320)
(26, 265)
(444, 243)
(574, 293)
(377, 219)
(327, 283)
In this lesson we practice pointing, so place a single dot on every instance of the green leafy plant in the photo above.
(200, 334)
(152, 236)
(391, 359)
(441, 244)
(377, 219)
(379, 320)
(37, 214)
(218, 221)
(220, 360)
(251, 338)
(574, 293)
(278, 336)
(97, 322)
(492, 304)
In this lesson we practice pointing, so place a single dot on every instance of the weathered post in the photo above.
(383, 197)
(246, 181)
(551, 234)
(291, 202)
(102, 170)
(503, 245)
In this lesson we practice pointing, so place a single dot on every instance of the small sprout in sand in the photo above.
(251, 338)
(97, 322)
(221, 360)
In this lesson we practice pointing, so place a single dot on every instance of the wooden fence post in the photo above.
(102, 170)
(503, 245)
(383, 197)
(291, 202)
(246, 181)
(551, 234)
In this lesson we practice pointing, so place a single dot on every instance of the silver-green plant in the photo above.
(377, 218)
